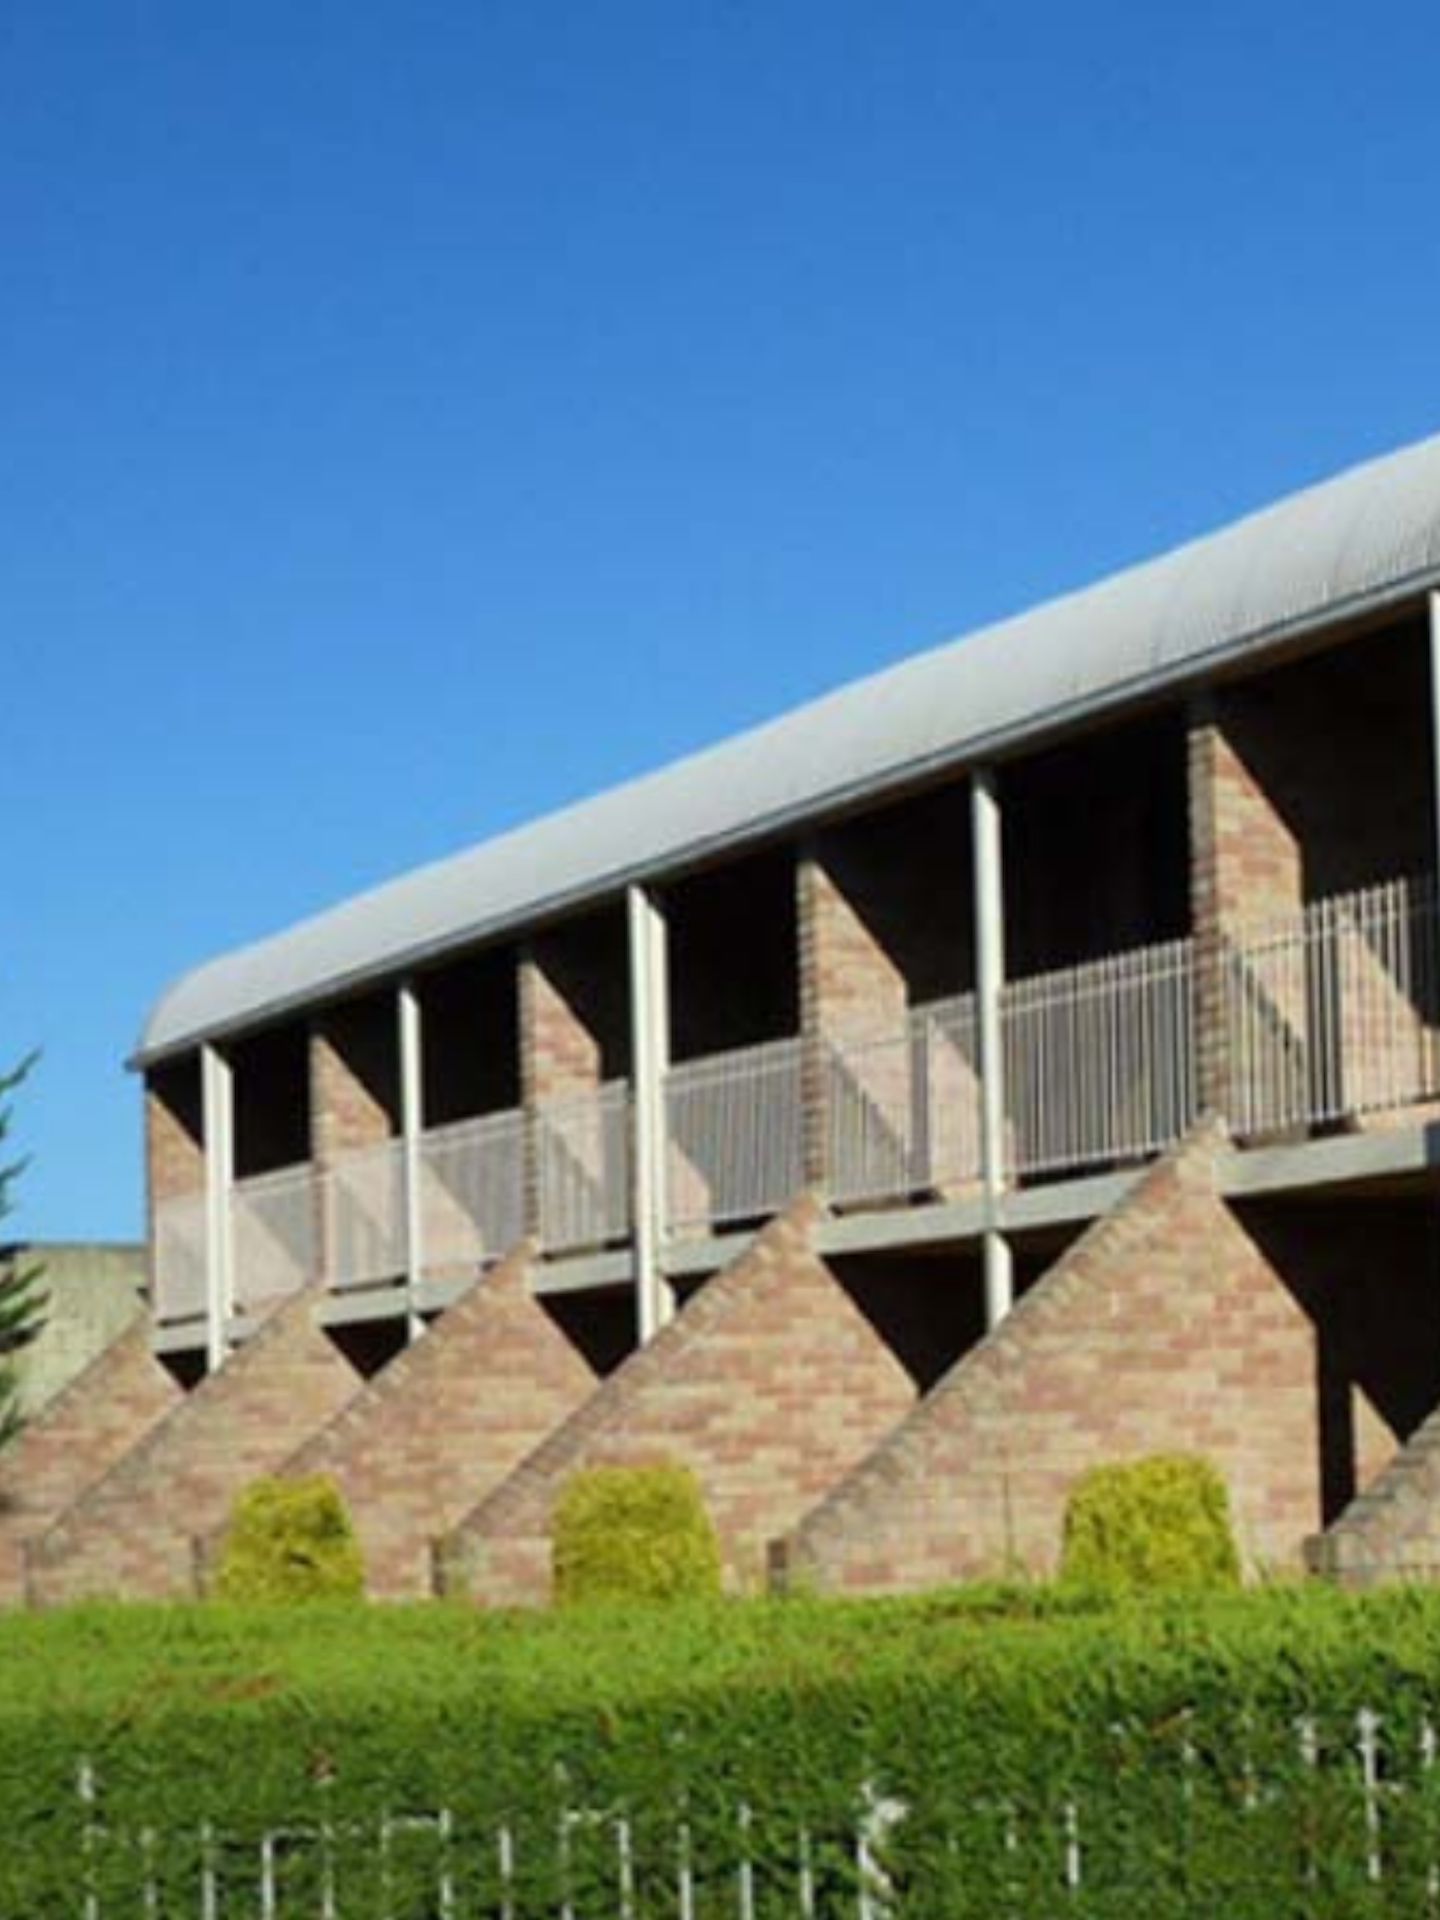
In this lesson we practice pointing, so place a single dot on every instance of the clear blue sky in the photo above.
(415, 416)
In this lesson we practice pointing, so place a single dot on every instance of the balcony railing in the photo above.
(365, 1216)
(472, 1190)
(178, 1274)
(583, 1169)
(902, 1110)
(1332, 1012)
(1100, 1060)
(734, 1135)
(274, 1235)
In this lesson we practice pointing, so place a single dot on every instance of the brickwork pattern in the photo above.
(1245, 871)
(849, 986)
(345, 1114)
(1163, 1327)
(1391, 1531)
(133, 1532)
(174, 1158)
(769, 1383)
(104, 1412)
(445, 1422)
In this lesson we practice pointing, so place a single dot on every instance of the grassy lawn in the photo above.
(132, 1660)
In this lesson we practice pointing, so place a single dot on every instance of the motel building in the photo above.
(1024, 1058)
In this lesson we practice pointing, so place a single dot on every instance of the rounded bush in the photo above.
(290, 1540)
(633, 1533)
(1163, 1521)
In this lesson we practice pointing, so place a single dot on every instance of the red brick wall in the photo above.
(769, 1383)
(348, 1110)
(849, 985)
(559, 1051)
(1164, 1327)
(132, 1533)
(445, 1421)
(104, 1411)
(174, 1155)
(1245, 870)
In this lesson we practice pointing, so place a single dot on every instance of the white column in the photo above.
(412, 1127)
(650, 1060)
(217, 1102)
(989, 914)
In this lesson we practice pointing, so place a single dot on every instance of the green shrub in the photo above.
(290, 1540)
(1163, 1521)
(633, 1533)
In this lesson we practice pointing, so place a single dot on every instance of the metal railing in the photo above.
(1332, 1012)
(902, 1110)
(178, 1275)
(365, 1216)
(472, 1190)
(583, 1168)
(734, 1135)
(1100, 1059)
(273, 1226)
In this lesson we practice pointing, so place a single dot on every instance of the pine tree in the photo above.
(22, 1303)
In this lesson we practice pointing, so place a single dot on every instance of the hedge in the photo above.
(1198, 1759)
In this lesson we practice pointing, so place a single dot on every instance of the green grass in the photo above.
(133, 1660)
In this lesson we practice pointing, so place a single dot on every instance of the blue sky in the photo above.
(414, 417)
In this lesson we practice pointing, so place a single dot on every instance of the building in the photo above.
(94, 1290)
(1023, 1057)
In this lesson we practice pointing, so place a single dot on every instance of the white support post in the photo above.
(650, 1060)
(217, 1102)
(989, 915)
(412, 1126)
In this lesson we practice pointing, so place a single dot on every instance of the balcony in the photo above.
(1327, 1018)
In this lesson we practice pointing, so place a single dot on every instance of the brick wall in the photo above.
(1273, 828)
(174, 1144)
(769, 1383)
(174, 1154)
(1392, 1530)
(850, 985)
(352, 1098)
(104, 1411)
(1164, 1327)
(1245, 871)
(132, 1533)
(445, 1421)
(559, 1048)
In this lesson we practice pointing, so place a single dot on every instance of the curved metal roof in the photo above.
(1369, 536)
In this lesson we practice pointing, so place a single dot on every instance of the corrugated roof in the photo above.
(1369, 535)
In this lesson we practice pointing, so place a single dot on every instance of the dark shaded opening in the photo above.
(587, 963)
(176, 1085)
(1096, 845)
(271, 1081)
(734, 973)
(186, 1369)
(600, 1322)
(928, 1304)
(1339, 743)
(366, 1035)
(470, 1038)
(1366, 1271)
(905, 871)
(370, 1345)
